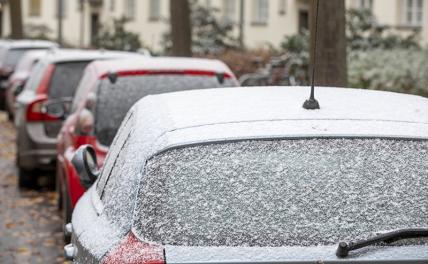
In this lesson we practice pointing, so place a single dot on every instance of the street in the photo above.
(30, 225)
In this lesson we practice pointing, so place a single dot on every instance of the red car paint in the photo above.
(69, 139)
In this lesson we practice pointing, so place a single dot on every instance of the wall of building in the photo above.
(78, 29)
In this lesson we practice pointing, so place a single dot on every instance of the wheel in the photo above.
(66, 214)
(9, 116)
(26, 178)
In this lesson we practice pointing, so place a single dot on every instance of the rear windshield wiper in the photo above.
(345, 247)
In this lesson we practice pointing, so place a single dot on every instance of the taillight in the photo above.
(44, 83)
(36, 111)
(132, 251)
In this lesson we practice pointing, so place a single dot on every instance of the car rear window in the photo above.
(26, 64)
(284, 192)
(13, 56)
(65, 79)
(114, 100)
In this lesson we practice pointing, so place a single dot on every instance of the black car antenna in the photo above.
(312, 103)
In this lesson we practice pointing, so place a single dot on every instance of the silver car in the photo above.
(10, 54)
(54, 78)
(247, 175)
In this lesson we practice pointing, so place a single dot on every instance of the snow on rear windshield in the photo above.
(114, 100)
(283, 193)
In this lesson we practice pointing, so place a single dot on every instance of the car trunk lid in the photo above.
(287, 255)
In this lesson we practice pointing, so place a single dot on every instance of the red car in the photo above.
(107, 91)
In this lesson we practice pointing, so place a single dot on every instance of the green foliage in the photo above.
(397, 70)
(35, 31)
(297, 44)
(117, 37)
(209, 34)
(377, 58)
(363, 32)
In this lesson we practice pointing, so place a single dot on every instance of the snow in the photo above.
(162, 63)
(114, 100)
(376, 181)
(194, 255)
(94, 232)
(200, 116)
(283, 193)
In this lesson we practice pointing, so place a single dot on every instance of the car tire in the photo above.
(66, 214)
(10, 116)
(26, 178)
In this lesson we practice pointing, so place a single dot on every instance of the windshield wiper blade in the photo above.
(345, 247)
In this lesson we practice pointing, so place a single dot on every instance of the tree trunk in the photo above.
(181, 31)
(16, 19)
(331, 69)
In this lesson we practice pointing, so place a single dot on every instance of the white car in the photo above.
(247, 175)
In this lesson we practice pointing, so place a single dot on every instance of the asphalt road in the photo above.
(30, 225)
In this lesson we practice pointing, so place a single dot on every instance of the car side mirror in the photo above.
(85, 163)
(18, 89)
(58, 108)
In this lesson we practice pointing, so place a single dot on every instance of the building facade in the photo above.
(265, 22)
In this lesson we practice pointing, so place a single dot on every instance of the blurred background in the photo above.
(382, 45)
(370, 44)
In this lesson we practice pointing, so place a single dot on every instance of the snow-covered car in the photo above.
(247, 175)
(17, 80)
(104, 96)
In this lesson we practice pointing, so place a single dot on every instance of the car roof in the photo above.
(70, 55)
(21, 44)
(160, 63)
(35, 54)
(193, 117)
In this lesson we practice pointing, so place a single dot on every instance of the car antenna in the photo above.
(312, 103)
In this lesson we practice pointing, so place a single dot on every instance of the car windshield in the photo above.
(283, 192)
(65, 79)
(114, 100)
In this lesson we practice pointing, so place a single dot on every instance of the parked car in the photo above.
(10, 54)
(247, 175)
(106, 93)
(54, 78)
(16, 82)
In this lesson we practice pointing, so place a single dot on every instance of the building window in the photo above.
(366, 4)
(154, 10)
(35, 7)
(229, 11)
(260, 12)
(282, 8)
(130, 9)
(413, 12)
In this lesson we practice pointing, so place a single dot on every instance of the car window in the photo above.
(65, 79)
(117, 195)
(26, 63)
(114, 150)
(283, 192)
(36, 76)
(83, 87)
(14, 55)
(114, 100)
